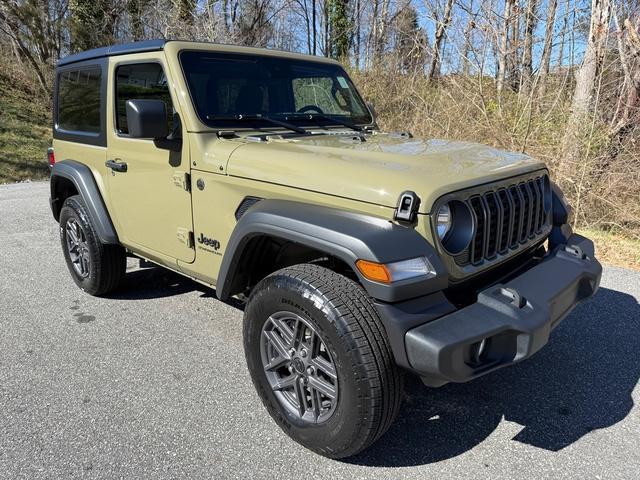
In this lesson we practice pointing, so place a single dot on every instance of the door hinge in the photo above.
(186, 237)
(182, 180)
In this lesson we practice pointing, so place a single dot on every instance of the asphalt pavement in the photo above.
(152, 383)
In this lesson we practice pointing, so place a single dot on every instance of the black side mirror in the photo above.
(147, 119)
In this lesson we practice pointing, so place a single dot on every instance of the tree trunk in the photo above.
(586, 78)
(545, 61)
(434, 70)
(468, 32)
(503, 45)
(356, 46)
(628, 112)
(314, 26)
(513, 57)
(563, 35)
(134, 8)
(527, 54)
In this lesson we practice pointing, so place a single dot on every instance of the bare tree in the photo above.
(545, 60)
(35, 30)
(628, 42)
(468, 39)
(527, 48)
(504, 44)
(586, 77)
(441, 30)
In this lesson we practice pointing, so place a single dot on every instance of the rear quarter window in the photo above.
(79, 100)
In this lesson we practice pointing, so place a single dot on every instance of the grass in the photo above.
(25, 133)
(614, 248)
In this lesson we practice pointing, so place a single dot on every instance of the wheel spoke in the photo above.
(298, 333)
(276, 341)
(277, 362)
(326, 367)
(71, 234)
(284, 329)
(77, 232)
(285, 383)
(316, 402)
(323, 387)
(85, 264)
(300, 396)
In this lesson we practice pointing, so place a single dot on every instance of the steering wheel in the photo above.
(308, 108)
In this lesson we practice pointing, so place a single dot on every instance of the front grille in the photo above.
(506, 218)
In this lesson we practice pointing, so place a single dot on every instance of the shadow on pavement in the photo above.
(156, 282)
(581, 381)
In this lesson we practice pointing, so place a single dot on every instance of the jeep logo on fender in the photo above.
(210, 242)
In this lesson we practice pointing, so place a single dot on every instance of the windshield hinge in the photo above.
(186, 237)
(226, 134)
(182, 180)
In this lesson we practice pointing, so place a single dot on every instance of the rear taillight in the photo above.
(51, 157)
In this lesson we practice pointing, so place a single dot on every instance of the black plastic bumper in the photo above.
(509, 322)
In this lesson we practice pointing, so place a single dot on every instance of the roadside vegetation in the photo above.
(25, 129)
(559, 80)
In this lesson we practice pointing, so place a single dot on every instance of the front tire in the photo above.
(320, 360)
(96, 268)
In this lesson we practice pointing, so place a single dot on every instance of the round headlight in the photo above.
(455, 226)
(443, 220)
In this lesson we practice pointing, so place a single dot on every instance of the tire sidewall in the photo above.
(73, 209)
(282, 293)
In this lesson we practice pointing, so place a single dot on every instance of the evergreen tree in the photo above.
(254, 26)
(340, 28)
(92, 24)
(186, 9)
(410, 40)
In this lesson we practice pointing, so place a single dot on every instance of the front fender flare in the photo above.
(346, 235)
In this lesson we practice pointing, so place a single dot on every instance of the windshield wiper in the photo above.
(312, 116)
(273, 121)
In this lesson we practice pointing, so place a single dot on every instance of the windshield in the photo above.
(225, 86)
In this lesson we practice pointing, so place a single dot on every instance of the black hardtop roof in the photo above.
(134, 47)
(158, 44)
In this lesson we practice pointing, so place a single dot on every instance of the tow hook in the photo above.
(515, 299)
(576, 251)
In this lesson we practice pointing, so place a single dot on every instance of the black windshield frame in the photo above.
(278, 70)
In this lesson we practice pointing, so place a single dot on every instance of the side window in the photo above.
(79, 100)
(143, 81)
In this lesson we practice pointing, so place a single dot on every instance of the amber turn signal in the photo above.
(374, 271)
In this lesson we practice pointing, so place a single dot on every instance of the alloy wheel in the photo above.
(299, 368)
(78, 248)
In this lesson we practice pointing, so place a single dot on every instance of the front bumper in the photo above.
(509, 322)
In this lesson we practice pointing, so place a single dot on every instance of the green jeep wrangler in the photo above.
(360, 253)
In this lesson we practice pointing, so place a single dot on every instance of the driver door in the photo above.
(150, 198)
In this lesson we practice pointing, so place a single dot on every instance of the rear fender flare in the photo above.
(81, 177)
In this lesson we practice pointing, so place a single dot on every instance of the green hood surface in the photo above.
(379, 169)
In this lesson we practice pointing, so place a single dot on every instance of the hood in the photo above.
(378, 169)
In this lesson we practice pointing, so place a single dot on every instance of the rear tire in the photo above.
(350, 342)
(96, 268)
